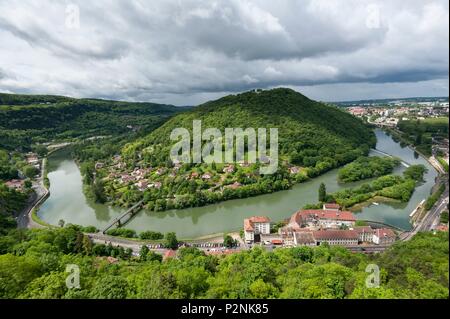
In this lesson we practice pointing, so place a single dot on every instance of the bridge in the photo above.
(389, 155)
(125, 217)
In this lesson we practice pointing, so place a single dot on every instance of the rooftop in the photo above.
(335, 234)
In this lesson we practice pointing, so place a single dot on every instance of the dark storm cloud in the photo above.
(186, 51)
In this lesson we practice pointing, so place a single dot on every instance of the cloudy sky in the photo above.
(186, 52)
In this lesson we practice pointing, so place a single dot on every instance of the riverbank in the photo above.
(69, 203)
(430, 160)
(376, 199)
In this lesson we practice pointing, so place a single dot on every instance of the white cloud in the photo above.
(187, 51)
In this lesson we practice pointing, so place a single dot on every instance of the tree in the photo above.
(228, 241)
(41, 150)
(30, 171)
(143, 252)
(110, 287)
(61, 223)
(171, 241)
(87, 245)
(98, 189)
(322, 192)
(151, 235)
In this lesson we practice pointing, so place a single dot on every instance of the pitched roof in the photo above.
(260, 219)
(335, 234)
(385, 232)
(248, 226)
(169, 254)
(302, 215)
(304, 237)
(364, 229)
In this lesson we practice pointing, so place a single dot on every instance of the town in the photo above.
(329, 225)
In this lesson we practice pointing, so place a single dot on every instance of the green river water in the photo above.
(68, 202)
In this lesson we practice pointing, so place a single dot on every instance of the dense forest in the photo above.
(29, 119)
(367, 167)
(421, 132)
(33, 265)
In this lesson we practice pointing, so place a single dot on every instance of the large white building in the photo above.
(256, 225)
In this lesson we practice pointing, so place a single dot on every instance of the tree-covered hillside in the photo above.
(311, 134)
(29, 119)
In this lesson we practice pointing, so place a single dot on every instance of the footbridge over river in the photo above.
(405, 164)
(125, 217)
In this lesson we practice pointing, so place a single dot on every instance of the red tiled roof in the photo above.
(248, 225)
(277, 241)
(259, 219)
(170, 254)
(385, 232)
(322, 214)
(364, 229)
(335, 234)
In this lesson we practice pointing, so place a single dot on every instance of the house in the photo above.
(125, 178)
(235, 185)
(194, 175)
(169, 254)
(112, 260)
(32, 158)
(336, 237)
(17, 184)
(155, 185)
(255, 225)
(384, 236)
(244, 164)
(304, 238)
(321, 218)
(228, 169)
(294, 170)
(117, 158)
(206, 176)
(99, 165)
(160, 171)
(365, 233)
(142, 185)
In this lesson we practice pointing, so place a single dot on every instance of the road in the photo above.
(24, 219)
(432, 218)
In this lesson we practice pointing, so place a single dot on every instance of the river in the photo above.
(68, 202)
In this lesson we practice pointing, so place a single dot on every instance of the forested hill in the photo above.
(311, 134)
(28, 119)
